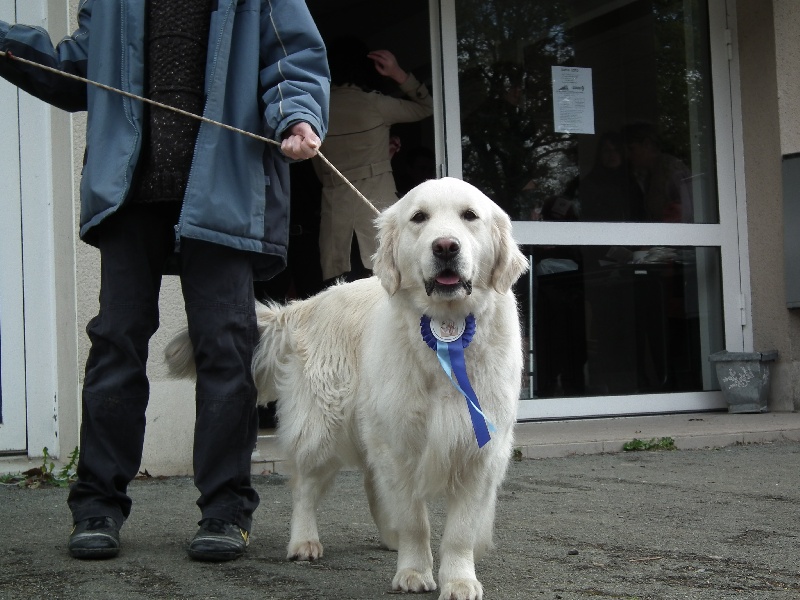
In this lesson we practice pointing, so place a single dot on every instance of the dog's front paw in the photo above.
(307, 550)
(409, 580)
(462, 589)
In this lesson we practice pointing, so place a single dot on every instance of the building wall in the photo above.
(67, 409)
(769, 53)
(787, 25)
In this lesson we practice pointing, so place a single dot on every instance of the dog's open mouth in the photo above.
(447, 282)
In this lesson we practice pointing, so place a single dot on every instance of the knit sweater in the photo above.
(177, 45)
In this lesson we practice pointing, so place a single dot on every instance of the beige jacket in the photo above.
(358, 145)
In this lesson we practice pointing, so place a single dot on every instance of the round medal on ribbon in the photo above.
(447, 330)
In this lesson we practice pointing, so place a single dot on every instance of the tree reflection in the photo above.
(505, 51)
(650, 62)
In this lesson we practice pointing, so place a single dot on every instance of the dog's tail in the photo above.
(272, 343)
(179, 354)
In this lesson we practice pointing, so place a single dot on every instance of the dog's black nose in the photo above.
(445, 247)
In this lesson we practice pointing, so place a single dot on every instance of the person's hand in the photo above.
(394, 145)
(386, 65)
(300, 141)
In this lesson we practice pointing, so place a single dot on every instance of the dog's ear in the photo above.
(509, 262)
(384, 265)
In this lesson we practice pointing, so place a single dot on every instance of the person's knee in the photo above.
(223, 339)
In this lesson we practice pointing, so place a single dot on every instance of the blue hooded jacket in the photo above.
(266, 70)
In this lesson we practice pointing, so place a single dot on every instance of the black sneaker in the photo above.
(218, 540)
(97, 537)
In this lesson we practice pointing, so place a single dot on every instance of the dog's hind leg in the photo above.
(308, 488)
(379, 512)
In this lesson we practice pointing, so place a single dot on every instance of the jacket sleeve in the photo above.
(294, 77)
(398, 110)
(69, 56)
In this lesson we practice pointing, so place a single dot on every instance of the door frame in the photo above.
(41, 330)
(726, 235)
(12, 345)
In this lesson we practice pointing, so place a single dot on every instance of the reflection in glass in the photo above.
(652, 156)
(604, 321)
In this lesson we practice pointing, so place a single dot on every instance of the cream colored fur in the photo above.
(356, 385)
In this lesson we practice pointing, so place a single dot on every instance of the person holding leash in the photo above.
(161, 193)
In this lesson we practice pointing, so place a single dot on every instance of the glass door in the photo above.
(600, 126)
(12, 361)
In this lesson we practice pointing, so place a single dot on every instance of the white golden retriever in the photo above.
(358, 385)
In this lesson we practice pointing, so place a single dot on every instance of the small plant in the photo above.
(45, 475)
(516, 454)
(636, 445)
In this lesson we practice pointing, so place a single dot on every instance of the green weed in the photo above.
(46, 474)
(635, 445)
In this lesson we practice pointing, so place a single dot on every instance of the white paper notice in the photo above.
(573, 103)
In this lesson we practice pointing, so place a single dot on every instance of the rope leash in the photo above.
(184, 113)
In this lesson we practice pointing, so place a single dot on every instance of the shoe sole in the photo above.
(93, 553)
(214, 556)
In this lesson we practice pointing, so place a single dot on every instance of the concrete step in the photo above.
(551, 439)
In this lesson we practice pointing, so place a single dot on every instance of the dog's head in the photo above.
(447, 238)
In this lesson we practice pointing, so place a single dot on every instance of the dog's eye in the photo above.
(469, 215)
(419, 217)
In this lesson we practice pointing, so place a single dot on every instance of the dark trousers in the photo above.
(217, 284)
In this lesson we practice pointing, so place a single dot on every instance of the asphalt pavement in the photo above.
(699, 524)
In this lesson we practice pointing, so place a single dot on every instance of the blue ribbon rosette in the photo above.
(448, 339)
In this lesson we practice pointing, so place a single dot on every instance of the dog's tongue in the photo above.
(447, 279)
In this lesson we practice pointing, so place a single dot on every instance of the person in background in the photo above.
(664, 180)
(161, 192)
(416, 165)
(609, 193)
(358, 144)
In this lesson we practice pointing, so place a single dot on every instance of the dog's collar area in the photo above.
(447, 330)
(448, 338)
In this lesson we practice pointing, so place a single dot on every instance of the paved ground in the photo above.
(696, 524)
